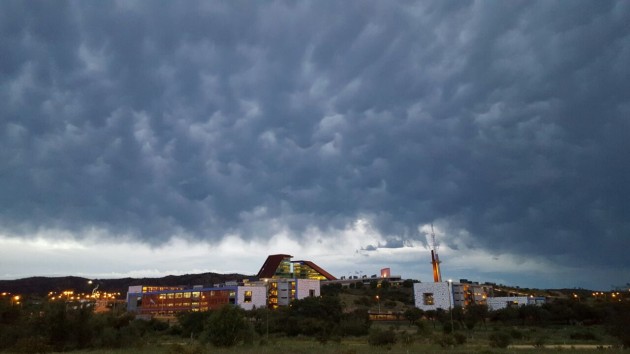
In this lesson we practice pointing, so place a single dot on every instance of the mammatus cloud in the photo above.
(504, 122)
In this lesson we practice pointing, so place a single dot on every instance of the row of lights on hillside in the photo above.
(70, 295)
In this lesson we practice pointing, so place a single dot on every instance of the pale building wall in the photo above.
(497, 303)
(440, 293)
(304, 287)
(259, 297)
(284, 293)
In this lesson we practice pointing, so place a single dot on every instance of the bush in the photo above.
(540, 342)
(583, 336)
(460, 338)
(380, 337)
(354, 326)
(406, 338)
(516, 334)
(500, 340)
(226, 327)
(389, 304)
(445, 340)
(31, 345)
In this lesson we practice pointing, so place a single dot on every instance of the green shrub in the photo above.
(380, 337)
(406, 338)
(460, 338)
(540, 342)
(445, 340)
(516, 334)
(31, 346)
(227, 326)
(500, 340)
(583, 336)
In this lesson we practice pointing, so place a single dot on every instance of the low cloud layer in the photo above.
(504, 123)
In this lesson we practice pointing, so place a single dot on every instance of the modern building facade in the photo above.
(287, 280)
(281, 292)
(280, 281)
(171, 300)
(498, 303)
(280, 266)
(446, 295)
(433, 296)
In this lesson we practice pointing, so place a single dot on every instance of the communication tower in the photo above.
(435, 259)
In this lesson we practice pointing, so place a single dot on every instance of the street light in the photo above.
(267, 307)
(378, 301)
(450, 304)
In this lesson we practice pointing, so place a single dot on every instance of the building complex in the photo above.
(279, 282)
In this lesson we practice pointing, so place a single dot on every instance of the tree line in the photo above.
(41, 326)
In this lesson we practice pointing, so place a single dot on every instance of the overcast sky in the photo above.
(153, 138)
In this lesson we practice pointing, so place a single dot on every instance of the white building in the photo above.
(282, 291)
(168, 301)
(249, 297)
(498, 303)
(445, 295)
(433, 296)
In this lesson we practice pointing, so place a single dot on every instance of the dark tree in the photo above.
(226, 327)
(413, 315)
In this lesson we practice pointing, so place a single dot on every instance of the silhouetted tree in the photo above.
(226, 327)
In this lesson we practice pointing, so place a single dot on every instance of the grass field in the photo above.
(550, 340)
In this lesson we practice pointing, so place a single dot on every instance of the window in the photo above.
(427, 299)
(170, 296)
(178, 295)
(187, 295)
(195, 294)
(232, 296)
(248, 296)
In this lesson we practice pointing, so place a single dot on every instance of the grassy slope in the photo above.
(557, 341)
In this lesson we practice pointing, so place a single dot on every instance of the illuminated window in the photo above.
(187, 295)
(232, 297)
(195, 294)
(178, 295)
(248, 296)
(170, 296)
(427, 298)
(162, 296)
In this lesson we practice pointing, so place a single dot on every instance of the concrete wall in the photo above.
(304, 287)
(441, 294)
(497, 303)
(259, 297)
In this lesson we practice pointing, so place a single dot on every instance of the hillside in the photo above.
(43, 285)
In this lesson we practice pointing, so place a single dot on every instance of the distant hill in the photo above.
(43, 285)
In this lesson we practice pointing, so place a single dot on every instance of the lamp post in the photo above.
(450, 304)
(378, 301)
(267, 307)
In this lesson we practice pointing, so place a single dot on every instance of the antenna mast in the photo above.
(435, 259)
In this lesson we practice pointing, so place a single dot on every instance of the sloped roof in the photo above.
(268, 269)
(318, 269)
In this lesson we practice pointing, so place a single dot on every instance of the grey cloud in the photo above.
(508, 120)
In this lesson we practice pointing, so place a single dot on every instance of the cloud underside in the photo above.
(504, 123)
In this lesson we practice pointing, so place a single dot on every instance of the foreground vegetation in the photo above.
(338, 322)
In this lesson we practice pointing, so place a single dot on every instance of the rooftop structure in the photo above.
(278, 266)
